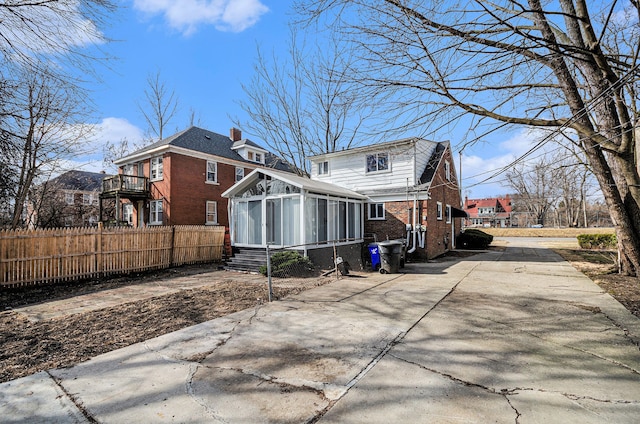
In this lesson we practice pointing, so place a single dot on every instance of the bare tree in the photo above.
(160, 105)
(536, 188)
(43, 129)
(54, 36)
(303, 105)
(560, 65)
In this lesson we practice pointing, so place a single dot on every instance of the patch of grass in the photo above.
(545, 232)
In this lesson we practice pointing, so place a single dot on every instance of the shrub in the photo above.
(597, 241)
(289, 263)
(474, 239)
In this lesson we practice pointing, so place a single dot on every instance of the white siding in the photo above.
(349, 170)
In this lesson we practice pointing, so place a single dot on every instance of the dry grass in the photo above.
(600, 266)
(545, 232)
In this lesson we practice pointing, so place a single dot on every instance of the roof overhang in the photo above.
(458, 213)
(305, 184)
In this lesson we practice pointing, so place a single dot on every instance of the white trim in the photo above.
(159, 167)
(377, 218)
(439, 211)
(161, 203)
(215, 172)
(206, 213)
(448, 213)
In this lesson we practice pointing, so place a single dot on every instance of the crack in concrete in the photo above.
(193, 369)
(504, 393)
(595, 355)
(518, 414)
(73, 399)
(199, 357)
(387, 347)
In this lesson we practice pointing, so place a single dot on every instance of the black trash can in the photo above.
(390, 254)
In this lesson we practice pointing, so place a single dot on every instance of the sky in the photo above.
(204, 50)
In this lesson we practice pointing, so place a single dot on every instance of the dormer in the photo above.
(247, 148)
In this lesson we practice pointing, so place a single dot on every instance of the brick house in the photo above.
(179, 180)
(69, 200)
(411, 189)
(489, 212)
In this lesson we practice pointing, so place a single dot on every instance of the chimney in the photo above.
(236, 134)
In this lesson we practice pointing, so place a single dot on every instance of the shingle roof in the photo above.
(209, 142)
(79, 180)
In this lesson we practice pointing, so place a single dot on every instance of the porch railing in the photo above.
(125, 184)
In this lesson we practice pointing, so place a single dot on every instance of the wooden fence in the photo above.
(30, 257)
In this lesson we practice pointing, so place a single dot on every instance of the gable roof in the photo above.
(367, 148)
(303, 183)
(502, 206)
(79, 180)
(208, 142)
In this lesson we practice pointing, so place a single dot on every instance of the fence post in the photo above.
(173, 245)
(269, 273)
(98, 250)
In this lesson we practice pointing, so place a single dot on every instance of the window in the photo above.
(439, 211)
(128, 169)
(323, 168)
(239, 173)
(86, 199)
(258, 157)
(378, 162)
(447, 214)
(212, 172)
(156, 168)
(447, 170)
(127, 213)
(155, 212)
(212, 212)
(250, 155)
(376, 210)
(68, 198)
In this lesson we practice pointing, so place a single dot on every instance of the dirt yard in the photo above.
(28, 347)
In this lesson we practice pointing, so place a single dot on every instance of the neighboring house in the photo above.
(405, 189)
(69, 200)
(179, 180)
(489, 212)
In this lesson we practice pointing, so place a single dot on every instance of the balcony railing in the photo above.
(126, 185)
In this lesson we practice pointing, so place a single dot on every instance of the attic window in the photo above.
(378, 162)
(323, 168)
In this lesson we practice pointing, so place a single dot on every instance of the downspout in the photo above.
(415, 232)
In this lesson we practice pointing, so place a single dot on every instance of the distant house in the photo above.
(179, 180)
(404, 189)
(489, 212)
(69, 200)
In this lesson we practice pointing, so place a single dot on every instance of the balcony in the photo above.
(126, 187)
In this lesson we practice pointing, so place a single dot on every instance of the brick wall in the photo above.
(190, 191)
(439, 232)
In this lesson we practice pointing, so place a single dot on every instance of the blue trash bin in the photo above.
(375, 256)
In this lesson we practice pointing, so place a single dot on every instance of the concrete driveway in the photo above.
(517, 337)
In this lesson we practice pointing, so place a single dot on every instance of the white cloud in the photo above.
(110, 130)
(56, 27)
(483, 161)
(115, 129)
(187, 15)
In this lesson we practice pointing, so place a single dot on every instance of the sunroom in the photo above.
(283, 210)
